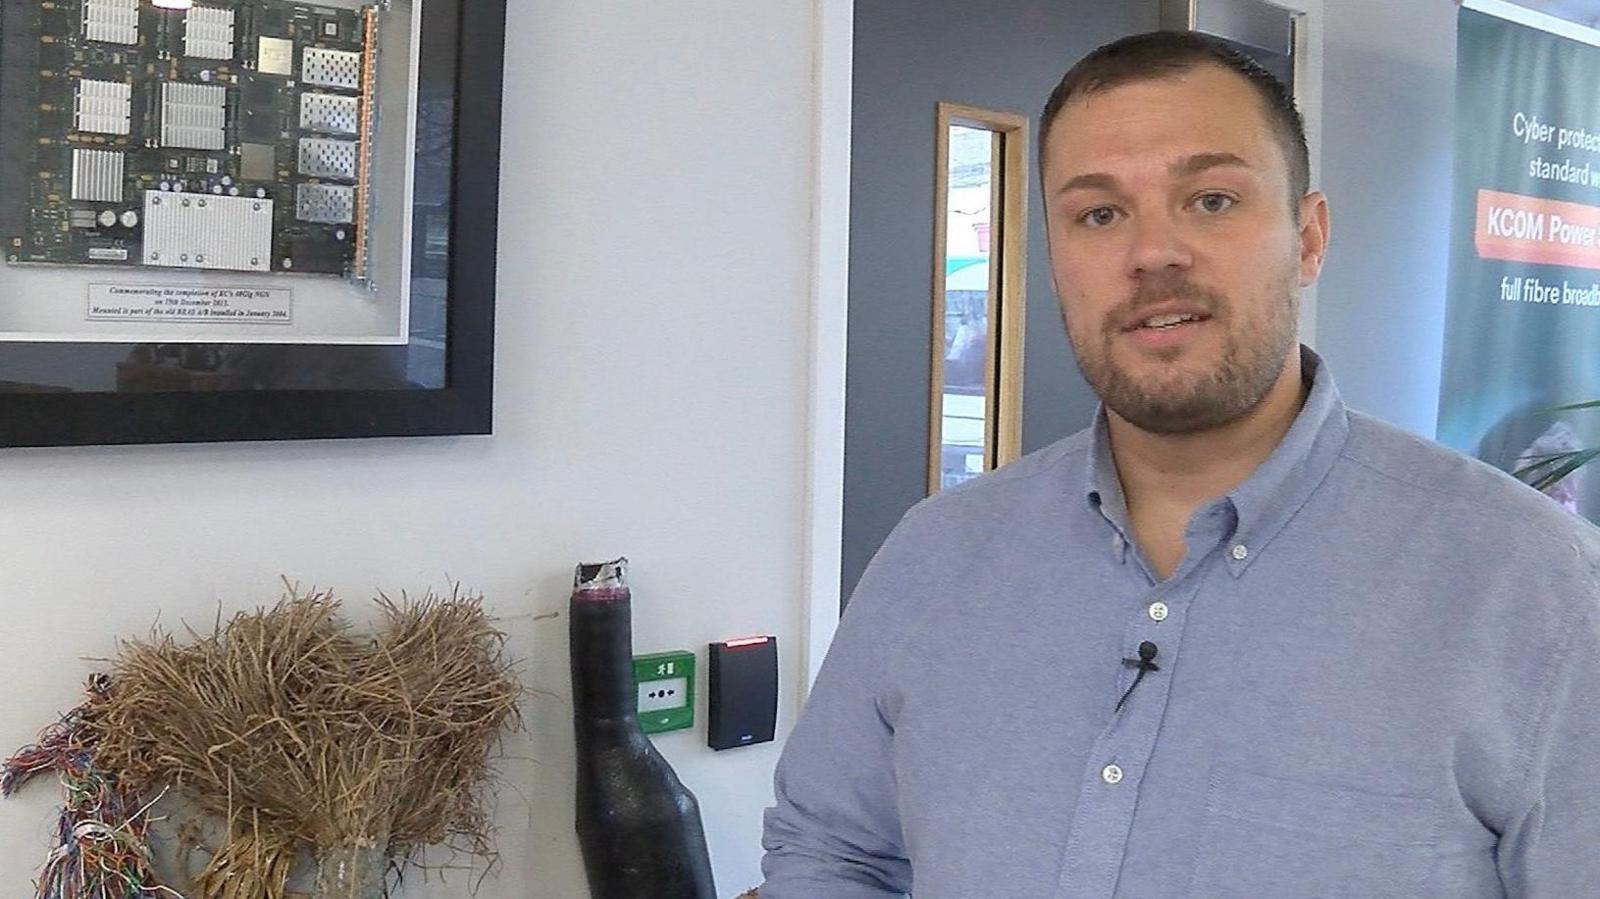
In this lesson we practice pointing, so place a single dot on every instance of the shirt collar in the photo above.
(1265, 501)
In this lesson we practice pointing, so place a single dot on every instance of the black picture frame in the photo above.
(463, 36)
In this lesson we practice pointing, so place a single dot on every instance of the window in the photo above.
(980, 232)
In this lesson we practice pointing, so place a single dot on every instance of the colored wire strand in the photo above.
(102, 832)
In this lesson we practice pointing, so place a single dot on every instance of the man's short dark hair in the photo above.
(1163, 54)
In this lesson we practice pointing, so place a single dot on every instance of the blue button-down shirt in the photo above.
(1379, 676)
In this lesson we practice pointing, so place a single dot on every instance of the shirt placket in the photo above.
(1109, 791)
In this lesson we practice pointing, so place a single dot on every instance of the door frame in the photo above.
(834, 36)
(834, 39)
(1007, 299)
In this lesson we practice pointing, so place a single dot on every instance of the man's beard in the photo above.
(1186, 401)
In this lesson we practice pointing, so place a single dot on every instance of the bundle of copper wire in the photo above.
(299, 734)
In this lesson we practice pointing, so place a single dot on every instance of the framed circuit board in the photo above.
(247, 219)
(230, 136)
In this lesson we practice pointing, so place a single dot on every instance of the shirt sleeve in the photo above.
(835, 830)
(1550, 849)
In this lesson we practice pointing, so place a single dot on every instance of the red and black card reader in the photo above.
(742, 693)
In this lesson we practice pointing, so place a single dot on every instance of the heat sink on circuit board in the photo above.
(117, 111)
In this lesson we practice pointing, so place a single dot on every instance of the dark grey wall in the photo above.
(910, 54)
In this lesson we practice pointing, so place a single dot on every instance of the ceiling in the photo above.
(1584, 12)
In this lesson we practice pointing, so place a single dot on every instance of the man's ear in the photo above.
(1313, 236)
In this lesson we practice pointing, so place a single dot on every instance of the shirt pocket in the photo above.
(1267, 837)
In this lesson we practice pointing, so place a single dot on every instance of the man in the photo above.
(1234, 640)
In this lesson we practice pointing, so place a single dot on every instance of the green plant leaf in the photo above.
(1590, 404)
(1540, 463)
(1550, 470)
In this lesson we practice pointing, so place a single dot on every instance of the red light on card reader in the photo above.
(745, 641)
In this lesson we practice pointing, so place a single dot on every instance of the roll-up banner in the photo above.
(1522, 330)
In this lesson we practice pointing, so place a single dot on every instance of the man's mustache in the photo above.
(1150, 294)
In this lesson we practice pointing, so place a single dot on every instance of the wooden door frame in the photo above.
(1007, 289)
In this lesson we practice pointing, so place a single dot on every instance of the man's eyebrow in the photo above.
(1194, 165)
(1183, 168)
(1092, 181)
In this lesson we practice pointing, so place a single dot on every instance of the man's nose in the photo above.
(1158, 246)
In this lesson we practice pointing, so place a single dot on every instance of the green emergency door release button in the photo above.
(666, 690)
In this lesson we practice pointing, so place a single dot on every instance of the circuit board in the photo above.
(233, 135)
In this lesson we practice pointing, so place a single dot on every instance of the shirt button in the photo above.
(1158, 611)
(1116, 543)
(1111, 774)
(1240, 552)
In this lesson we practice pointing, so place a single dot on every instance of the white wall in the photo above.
(651, 401)
(1388, 111)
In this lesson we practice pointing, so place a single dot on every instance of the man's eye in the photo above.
(1214, 203)
(1098, 217)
